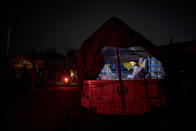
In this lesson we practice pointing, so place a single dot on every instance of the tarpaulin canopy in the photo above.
(113, 33)
(126, 54)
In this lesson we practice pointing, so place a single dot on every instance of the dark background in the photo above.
(65, 24)
(62, 25)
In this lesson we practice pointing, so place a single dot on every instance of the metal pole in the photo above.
(120, 80)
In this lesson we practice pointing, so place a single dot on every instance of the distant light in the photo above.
(72, 74)
(66, 79)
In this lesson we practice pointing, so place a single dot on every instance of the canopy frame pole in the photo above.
(120, 80)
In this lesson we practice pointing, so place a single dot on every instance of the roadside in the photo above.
(42, 109)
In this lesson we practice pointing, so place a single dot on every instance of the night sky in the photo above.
(66, 24)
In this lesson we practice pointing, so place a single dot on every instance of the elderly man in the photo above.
(106, 73)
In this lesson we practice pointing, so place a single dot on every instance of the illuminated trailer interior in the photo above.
(137, 90)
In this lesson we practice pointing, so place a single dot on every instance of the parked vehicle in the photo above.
(117, 43)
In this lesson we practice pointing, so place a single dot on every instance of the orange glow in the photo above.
(66, 80)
